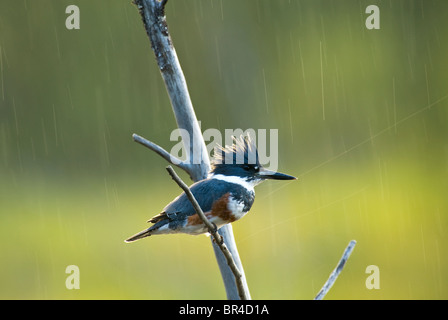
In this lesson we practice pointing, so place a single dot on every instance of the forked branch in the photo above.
(197, 164)
(161, 152)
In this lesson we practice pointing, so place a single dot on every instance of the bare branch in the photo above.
(153, 16)
(154, 20)
(161, 152)
(232, 291)
(214, 232)
(334, 275)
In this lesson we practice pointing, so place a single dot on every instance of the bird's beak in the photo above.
(268, 174)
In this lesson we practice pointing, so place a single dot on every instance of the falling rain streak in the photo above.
(361, 117)
(1, 74)
(322, 80)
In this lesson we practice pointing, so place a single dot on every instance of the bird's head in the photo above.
(241, 160)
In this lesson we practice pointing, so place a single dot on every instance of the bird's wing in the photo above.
(206, 193)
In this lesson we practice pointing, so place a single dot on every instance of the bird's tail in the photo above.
(140, 235)
(154, 229)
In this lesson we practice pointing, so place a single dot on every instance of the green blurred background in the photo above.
(362, 118)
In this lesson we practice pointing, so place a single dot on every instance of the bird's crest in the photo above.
(242, 151)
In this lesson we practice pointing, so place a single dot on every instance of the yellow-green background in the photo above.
(362, 118)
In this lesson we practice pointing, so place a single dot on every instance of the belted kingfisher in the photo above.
(225, 196)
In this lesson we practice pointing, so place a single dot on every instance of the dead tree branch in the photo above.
(162, 152)
(334, 275)
(197, 164)
(153, 16)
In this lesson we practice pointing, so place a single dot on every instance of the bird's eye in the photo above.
(256, 168)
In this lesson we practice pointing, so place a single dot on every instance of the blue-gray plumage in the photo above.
(206, 192)
(225, 196)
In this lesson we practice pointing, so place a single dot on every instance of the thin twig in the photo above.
(334, 275)
(213, 231)
(161, 152)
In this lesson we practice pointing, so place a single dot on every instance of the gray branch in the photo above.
(153, 15)
(162, 152)
(198, 164)
(334, 275)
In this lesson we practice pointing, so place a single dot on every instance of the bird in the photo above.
(225, 196)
